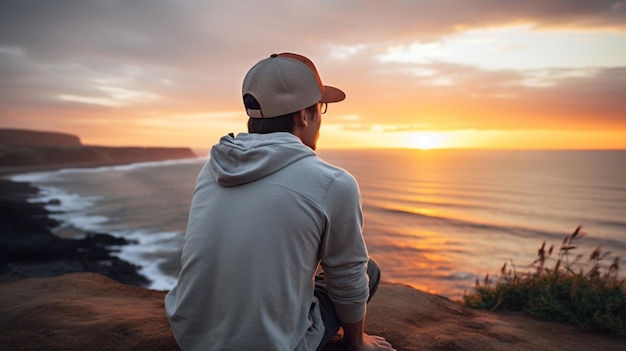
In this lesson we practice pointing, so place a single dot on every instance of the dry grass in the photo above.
(565, 289)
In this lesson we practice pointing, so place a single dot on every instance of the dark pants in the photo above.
(331, 323)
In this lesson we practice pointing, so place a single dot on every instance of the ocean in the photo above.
(436, 220)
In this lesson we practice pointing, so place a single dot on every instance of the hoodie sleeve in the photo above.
(343, 252)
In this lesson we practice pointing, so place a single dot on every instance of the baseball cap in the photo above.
(286, 83)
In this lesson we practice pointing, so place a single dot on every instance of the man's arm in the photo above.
(356, 340)
(344, 259)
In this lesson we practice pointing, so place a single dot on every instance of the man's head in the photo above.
(284, 93)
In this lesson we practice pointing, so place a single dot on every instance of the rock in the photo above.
(54, 202)
(82, 311)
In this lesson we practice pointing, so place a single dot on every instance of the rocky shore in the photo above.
(29, 249)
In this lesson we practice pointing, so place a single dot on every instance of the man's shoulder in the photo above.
(331, 176)
(331, 170)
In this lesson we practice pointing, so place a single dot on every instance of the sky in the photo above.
(503, 74)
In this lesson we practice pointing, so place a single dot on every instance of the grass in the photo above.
(562, 288)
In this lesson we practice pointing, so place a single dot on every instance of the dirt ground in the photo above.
(87, 311)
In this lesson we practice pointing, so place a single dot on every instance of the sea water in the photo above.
(436, 220)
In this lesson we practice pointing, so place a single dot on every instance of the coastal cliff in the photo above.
(21, 137)
(34, 149)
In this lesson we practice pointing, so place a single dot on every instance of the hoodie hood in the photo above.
(248, 157)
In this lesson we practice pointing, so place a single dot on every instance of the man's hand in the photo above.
(371, 343)
(355, 338)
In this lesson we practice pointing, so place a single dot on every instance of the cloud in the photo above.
(489, 99)
(63, 60)
(167, 32)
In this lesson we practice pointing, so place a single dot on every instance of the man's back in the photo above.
(265, 211)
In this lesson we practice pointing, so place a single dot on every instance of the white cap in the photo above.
(286, 83)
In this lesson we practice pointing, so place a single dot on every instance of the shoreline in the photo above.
(113, 261)
(30, 249)
(8, 172)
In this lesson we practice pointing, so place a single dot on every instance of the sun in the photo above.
(425, 140)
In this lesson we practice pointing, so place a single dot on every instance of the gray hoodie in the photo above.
(265, 212)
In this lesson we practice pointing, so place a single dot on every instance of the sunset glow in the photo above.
(513, 75)
(427, 140)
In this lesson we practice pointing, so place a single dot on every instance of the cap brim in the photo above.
(332, 94)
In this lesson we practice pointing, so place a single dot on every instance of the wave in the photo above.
(40, 176)
(511, 229)
(142, 251)
(57, 200)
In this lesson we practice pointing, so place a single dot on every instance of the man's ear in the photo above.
(300, 119)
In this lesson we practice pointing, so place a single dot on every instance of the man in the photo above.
(265, 215)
